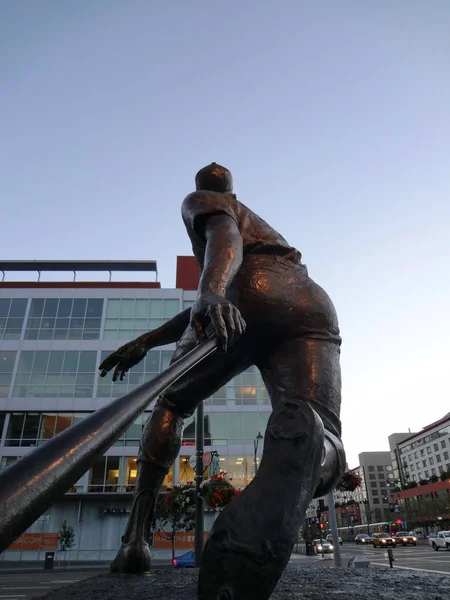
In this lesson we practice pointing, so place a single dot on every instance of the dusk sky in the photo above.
(334, 118)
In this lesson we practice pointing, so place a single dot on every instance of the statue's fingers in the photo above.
(117, 372)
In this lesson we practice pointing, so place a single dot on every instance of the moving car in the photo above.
(440, 540)
(404, 538)
(363, 538)
(322, 546)
(382, 540)
(186, 561)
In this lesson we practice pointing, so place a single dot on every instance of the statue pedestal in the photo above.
(307, 581)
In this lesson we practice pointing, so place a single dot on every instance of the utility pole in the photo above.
(334, 530)
(199, 509)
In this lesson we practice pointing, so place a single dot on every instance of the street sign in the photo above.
(192, 461)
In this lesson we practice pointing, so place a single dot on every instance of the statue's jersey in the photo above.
(257, 235)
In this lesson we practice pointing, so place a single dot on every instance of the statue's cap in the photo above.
(215, 178)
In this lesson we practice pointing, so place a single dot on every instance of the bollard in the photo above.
(390, 557)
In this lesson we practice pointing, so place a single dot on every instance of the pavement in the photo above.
(299, 582)
(23, 582)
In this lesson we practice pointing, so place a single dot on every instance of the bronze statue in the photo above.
(256, 295)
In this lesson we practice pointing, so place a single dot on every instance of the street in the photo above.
(21, 585)
(18, 585)
(421, 557)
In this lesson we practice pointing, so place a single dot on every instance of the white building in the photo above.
(53, 336)
(425, 454)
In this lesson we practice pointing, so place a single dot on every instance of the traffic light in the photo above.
(321, 526)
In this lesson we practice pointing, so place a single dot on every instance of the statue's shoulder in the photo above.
(202, 200)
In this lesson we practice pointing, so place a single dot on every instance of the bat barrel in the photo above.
(29, 486)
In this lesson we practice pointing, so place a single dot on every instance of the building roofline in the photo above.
(78, 265)
(425, 429)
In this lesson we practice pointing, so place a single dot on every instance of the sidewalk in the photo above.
(38, 566)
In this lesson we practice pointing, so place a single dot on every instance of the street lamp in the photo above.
(256, 441)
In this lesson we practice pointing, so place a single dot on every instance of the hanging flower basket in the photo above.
(349, 482)
(180, 498)
(218, 491)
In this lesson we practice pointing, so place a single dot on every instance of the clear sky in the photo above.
(333, 116)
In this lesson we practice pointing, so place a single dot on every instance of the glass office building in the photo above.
(53, 336)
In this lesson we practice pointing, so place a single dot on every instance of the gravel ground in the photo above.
(297, 583)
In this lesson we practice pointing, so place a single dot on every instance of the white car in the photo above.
(441, 540)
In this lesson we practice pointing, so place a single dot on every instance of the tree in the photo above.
(423, 481)
(434, 479)
(175, 512)
(444, 476)
(66, 537)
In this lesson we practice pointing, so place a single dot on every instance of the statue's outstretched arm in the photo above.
(129, 355)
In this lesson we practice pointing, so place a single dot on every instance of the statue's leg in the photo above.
(252, 539)
(161, 441)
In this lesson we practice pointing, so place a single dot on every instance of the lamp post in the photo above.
(256, 441)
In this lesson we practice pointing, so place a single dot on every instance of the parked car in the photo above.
(185, 561)
(322, 546)
(440, 540)
(382, 540)
(329, 538)
(404, 538)
(363, 538)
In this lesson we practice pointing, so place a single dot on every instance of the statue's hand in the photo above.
(225, 318)
(123, 359)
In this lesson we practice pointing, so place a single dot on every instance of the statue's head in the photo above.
(214, 178)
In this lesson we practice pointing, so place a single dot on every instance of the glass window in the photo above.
(441, 469)
(373, 484)
(64, 319)
(372, 476)
(429, 450)
(7, 360)
(5, 303)
(30, 431)
(94, 308)
(97, 475)
(445, 455)
(12, 313)
(112, 474)
(68, 374)
(14, 432)
(8, 460)
(156, 309)
(371, 468)
(438, 458)
(380, 468)
(171, 308)
(431, 460)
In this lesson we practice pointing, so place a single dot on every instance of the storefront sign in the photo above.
(184, 540)
(36, 541)
(102, 511)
